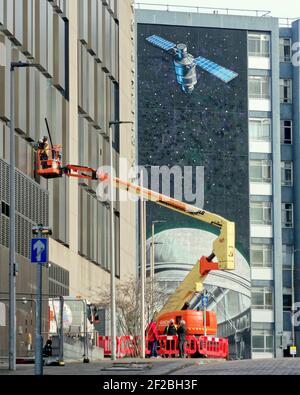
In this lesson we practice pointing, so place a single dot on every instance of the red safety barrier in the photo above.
(147, 346)
(105, 343)
(168, 346)
(191, 345)
(213, 347)
(128, 346)
(122, 347)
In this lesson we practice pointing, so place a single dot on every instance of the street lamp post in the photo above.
(143, 265)
(12, 241)
(112, 242)
(152, 263)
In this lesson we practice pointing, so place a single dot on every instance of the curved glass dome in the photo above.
(177, 251)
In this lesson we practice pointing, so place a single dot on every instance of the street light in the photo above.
(152, 262)
(112, 243)
(12, 241)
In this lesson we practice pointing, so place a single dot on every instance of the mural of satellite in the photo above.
(185, 64)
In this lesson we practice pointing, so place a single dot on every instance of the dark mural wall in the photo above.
(208, 127)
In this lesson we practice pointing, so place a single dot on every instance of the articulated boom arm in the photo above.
(223, 246)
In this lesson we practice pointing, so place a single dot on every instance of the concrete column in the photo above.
(296, 147)
(277, 224)
(72, 137)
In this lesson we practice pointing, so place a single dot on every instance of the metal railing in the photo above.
(287, 22)
(198, 9)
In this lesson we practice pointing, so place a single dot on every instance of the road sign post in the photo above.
(293, 351)
(39, 256)
(204, 303)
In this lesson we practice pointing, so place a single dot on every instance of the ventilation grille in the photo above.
(32, 204)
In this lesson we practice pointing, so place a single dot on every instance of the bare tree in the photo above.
(128, 303)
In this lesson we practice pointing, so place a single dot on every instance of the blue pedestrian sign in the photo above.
(39, 250)
(204, 301)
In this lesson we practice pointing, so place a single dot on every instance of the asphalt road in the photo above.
(188, 367)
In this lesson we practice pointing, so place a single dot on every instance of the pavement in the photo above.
(137, 367)
(162, 366)
(258, 367)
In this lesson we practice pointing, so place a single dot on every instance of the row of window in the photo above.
(260, 88)
(262, 299)
(259, 45)
(260, 130)
(262, 341)
(261, 172)
(262, 255)
(261, 214)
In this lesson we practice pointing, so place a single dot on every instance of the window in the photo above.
(262, 298)
(287, 302)
(259, 87)
(261, 255)
(5, 209)
(286, 132)
(287, 173)
(260, 171)
(261, 213)
(259, 45)
(287, 255)
(287, 215)
(286, 91)
(260, 130)
(285, 50)
(262, 341)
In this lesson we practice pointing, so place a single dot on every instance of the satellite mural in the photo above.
(193, 111)
(185, 64)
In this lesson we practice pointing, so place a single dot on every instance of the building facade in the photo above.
(264, 204)
(84, 79)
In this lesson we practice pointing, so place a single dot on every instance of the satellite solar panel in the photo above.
(161, 42)
(213, 68)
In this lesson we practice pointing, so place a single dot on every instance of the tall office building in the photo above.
(84, 80)
(245, 133)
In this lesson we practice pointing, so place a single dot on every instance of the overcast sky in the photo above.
(282, 9)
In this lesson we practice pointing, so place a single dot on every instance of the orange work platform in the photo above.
(194, 321)
(49, 162)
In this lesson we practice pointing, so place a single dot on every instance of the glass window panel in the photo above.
(257, 298)
(285, 91)
(285, 50)
(259, 87)
(257, 256)
(256, 214)
(260, 129)
(269, 342)
(259, 45)
(268, 299)
(261, 255)
(258, 342)
(287, 255)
